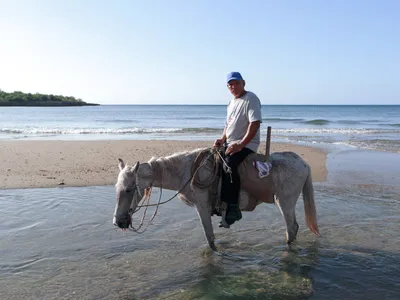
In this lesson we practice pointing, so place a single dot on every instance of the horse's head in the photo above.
(130, 188)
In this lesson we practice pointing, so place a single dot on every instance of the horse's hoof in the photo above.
(214, 248)
(290, 244)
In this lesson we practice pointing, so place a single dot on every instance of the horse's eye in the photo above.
(129, 190)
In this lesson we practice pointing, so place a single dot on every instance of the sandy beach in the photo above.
(37, 164)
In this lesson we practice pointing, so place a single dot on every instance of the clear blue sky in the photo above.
(178, 52)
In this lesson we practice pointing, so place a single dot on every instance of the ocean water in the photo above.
(59, 243)
(361, 127)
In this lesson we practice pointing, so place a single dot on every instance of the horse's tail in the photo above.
(309, 204)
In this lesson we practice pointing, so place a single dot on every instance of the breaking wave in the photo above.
(346, 131)
(108, 130)
(326, 122)
(139, 130)
(376, 144)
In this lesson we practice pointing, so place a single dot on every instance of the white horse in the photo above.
(290, 175)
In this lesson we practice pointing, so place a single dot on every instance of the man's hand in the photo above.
(233, 148)
(218, 143)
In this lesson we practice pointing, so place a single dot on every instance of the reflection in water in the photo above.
(60, 244)
(287, 276)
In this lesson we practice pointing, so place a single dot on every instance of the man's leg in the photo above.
(231, 186)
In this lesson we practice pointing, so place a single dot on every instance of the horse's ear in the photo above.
(121, 164)
(136, 167)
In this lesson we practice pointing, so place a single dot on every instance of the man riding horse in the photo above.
(240, 138)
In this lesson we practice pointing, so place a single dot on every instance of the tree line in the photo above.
(27, 99)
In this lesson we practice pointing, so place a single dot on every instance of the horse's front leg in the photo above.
(203, 210)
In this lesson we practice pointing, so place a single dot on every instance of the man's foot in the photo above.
(233, 214)
(223, 224)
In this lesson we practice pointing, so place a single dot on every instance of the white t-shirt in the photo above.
(241, 112)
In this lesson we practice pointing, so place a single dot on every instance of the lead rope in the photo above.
(228, 168)
(146, 197)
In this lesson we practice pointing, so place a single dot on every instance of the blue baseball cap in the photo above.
(233, 76)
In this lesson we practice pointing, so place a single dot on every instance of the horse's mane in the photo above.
(175, 157)
(159, 164)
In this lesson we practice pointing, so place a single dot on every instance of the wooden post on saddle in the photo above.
(267, 152)
(268, 144)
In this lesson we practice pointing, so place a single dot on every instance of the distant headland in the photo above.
(28, 99)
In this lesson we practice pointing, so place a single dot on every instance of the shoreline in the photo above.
(46, 164)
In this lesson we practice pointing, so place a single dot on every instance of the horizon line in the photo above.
(272, 104)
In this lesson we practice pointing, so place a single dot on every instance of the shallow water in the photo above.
(363, 167)
(60, 244)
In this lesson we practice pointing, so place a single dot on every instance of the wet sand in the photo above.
(37, 164)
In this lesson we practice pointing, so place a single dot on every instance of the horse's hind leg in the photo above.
(287, 207)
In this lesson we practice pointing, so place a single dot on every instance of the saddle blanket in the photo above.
(263, 168)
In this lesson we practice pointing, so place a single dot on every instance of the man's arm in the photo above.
(250, 134)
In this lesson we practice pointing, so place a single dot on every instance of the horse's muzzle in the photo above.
(122, 221)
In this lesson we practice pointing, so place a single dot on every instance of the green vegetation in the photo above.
(23, 99)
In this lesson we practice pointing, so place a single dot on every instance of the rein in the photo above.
(148, 191)
(146, 197)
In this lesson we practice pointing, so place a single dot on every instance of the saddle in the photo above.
(254, 190)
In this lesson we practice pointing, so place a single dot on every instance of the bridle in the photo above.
(135, 205)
